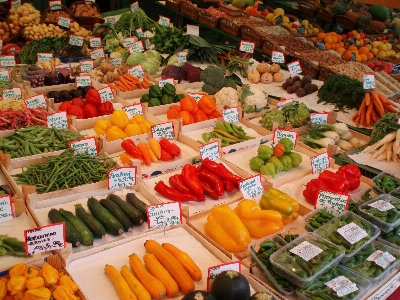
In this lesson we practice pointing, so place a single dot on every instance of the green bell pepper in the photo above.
(268, 169)
(277, 163)
(287, 162)
(264, 152)
(168, 89)
(288, 145)
(256, 163)
(178, 97)
(145, 98)
(296, 158)
(154, 102)
(167, 99)
(155, 91)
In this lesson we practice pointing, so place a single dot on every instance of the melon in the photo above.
(378, 13)
(239, 3)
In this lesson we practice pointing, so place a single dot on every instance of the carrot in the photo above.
(147, 81)
(139, 86)
(356, 115)
(124, 82)
(121, 86)
(387, 107)
(383, 98)
(377, 103)
(369, 112)
(367, 99)
(374, 116)
(130, 77)
(357, 120)
(112, 86)
(144, 84)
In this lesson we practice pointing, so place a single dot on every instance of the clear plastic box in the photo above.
(328, 229)
(34, 74)
(384, 226)
(278, 262)
(290, 229)
(395, 193)
(362, 283)
(376, 188)
(308, 216)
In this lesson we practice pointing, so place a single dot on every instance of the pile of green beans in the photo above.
(388, 216)
(392, 237)
(319, 218)
(65, 171)
(36, 140)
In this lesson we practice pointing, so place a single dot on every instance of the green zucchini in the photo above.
(133, 200)
(71, 235)
(91, 222)
(110, 223)
(85, 233)
(134, 214)
(117, 213)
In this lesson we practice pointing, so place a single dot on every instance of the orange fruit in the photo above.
(328, 46)
(358, 58)
(352, 48)
(328, 40)
(370, 56)
(341, 44)
(363, 50)
(334, 39)
(314, 40)
(321, 36)
(339, 38)
(364, 57)
(347, 55)
(248, 9)
(340, 50)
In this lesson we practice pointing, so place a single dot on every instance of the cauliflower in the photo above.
(253, 98)
(227, 97)
(296, 113)
(271, 117)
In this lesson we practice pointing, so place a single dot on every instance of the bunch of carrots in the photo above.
(373, 107)
(128, 82)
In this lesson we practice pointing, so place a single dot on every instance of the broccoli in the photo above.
(214, 76)
(229, 83)
(296, 113)
(271, 117)
(210, 89)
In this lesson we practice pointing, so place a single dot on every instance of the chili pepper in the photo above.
(171, 193)
(177, 182)
(189, 173)
(93, 97)
(228, 186)
(168, 147)
(155, 146)
(142, 146)
(336, 182)
(176, 149)
(221, 171)
(352, 173)
(130, 147)
(208, 190)
(165, 156)
(279, 150)
(213, 180)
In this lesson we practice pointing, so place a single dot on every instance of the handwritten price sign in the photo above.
(319, 118)
(281, 133)
(320, 162)
(116, 61)
(136, 47)
(136, 71)
(97, 53)
(162, 215)
(6, 208)
(127, 41)
(121, 177)
(46, 238)
(182, 56)
(36, 101)
(163, 130)
(95, 42)
(75, 40)
(163, 21)
(251, 187)
(84, 145)
(294, 68)
(43, 56)
(139, 32)
(5, 75)
(210, 150)
(215, 270)
(64, 22)
(63, 66)
(335, 203)
(132, 110)
(246, 46)
(55, 5)
(7, 61)
(231, 115)
(278, 57)
(196, 96)
(283, 102)
(86, 65)
(369, 81)
(162, 82)
(12, 94)
(83, 81)
(57, 120)
(134, 6)
(106, 94)
(147, 44)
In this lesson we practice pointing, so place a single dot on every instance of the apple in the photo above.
(362, 35)
(379, 38)
(350, 34)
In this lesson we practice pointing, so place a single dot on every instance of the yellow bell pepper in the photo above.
(3, 289)
(102, 126)
(20, 295)
(145, 126)
(115, 133)
(38, 294)
(35, 283)
(49, 274)
(119, 118)
(133, 129)
(31, 272)
(67, 281)
(16, 284)
(225, 228)
(276, 200)
(17, 270)
(64, 293)
(138, 119)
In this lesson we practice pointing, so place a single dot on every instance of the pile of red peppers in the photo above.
(209, 178)
(347, 178)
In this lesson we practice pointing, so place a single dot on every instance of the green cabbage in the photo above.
(136, 58)
(149, 66)
(154, 55)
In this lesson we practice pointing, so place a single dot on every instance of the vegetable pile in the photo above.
(318, 219)
(387, 124)
(214, 80)
(15, 119)
(132, 20)
(266, 73)
(387, 148)
(11, 246)
(386, 183)
(161, 96)
(296, 113)
(167, 39)
(253, 98)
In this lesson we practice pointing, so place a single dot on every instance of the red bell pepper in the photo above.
(336, 182)
(90, 110)
(77, 111)
(93, 97)
(352, 174)
(189, 173)
(171, 193)
(78, 101)
(312, 190)
(65, 106)
(106, 108)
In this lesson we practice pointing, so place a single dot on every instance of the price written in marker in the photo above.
(58, 120)
(15, 3)
(321, 45)
(75, 40)
(6, 208)
(36, 101)
(132, 110)
(306, 250)
(83, 81)
(1, 45)
(46, 238)
(182, 56)
(210, 151)
(63, 66)
(294, 68)
(281, 133)
(320, 162)
(134, 6)
(64, 22)
(84, 145)
(95, 42)
(43, 56)
(246, 46)
(55, 5)
(86, 65)
(7, 61)
(162, 215)
(396, 69)
(163, 21)
(251, 187)
(147, 44)
(195, 96)
(106, 94)
(231, 115)
(139, 32)
(116, 61)
(12, 94)
(342, 286)
(369, 81)
(163, 130)
(121, 177)
(300, 29)
(110, 20)
(136, 47)
(283, 102)
(278, 57)
(335, 203)
(97, 53)
(215, 270)
(162, 82)
(127, 41)
(319, 118)
(136, 71)
(5, 75)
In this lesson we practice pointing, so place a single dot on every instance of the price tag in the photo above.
(57, 120)
(279, 20)
(215, 270)
(127, 41)
(352, 41)
(353, 56)
(55, 5)
(7, 61)
(195, 96)
(147, 44)
(283, 102)
(93, 1)
(84, 145)
(86, 65)
(36, 101)
(95, 42)
(75, 40)
(306, 250)
(83, 81)
(132, 110)
(110, 20)
(63, 66)
(64, 22)
(319, 118)
(294, 68)
(181, 55)
(6, 208)
(210, 151)
(136, 47)
(391, 39)
(342, 286)
(97, 53)
(121, 177)
(162, 82)
(15, 3)
(42, 56)
(352, 233)
(162, 215)
(1, 45)
(281, 133)
(396, 69)
(333, 202)
(300, 29)
(12, 94)
(134, 6)
(339, 28)
(320, 162)
(382, 259)
(369, 81)
(163, 130)
(5, 75)
(139, 32)
(246, 46)
(251, 187)
(136, 71)
(45, 238)
(163, 21)
(106, 94)
(278, 57)
(321, 45)
(381, 205)
(116, 61)
(230, 115)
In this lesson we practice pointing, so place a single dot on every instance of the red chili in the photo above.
(176, 149)
(228, 185)
(172, 194)
(168, 147)
(130, 147)
(165, 156)
(178, 183)
(213, 180)
(189, 173)
(221, 171)
(208, 190)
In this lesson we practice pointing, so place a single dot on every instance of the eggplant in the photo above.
(57, 97)
(50, 94)
(75, 93)
(54, 78)
(65, 95)
(71, 78)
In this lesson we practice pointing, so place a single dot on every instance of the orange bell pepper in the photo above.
(186, 117)
(200, 116)
(189, 104)
(207, 104)
(214, 114)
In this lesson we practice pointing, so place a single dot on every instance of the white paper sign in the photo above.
(162, 82)
(193, 29)
(251, 187)
(283, 102)
(147, 44)
(7, 61)
(116, 61)
(12, 94)
(15, 3)
(294, 68)
(281, 133)
(210, 151)
(55, 5)
(6, 208)
(320, 162)
(333, 202)
(57, 120)
(95, 42)
(246, 46)
(162, 215)
(195, 96)
(36, 101)
(42, 57)
(230, 115)
(134, 6)
(63, 66)
(83, 80)
(136, 47)
(121, 177)
(163, 130)
(64, 22)
(278, 57)
(139, 32)
(382, 259)
(5, 75)
(136, 71)
(182, 56)
(46, 238)
(84, 145)
(86, 65)
(106, 94)
(163, 21)
(306, 250)
(352, 233)
(97, 53)
(76, 40)
(382, 205)
(369, 81)
(319, 118)
(110, 20)
(132, 110)
(342, 286)
(127, 41)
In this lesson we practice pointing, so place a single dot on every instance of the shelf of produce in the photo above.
(132, 97)
(17, 198)
(254, 123)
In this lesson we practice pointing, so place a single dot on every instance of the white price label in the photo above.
(342, 286)
(12, 94)
(163, 21)
(319, 118)
(320, 162)
(1, 45)
(182, 56)
(42, 57)
(195, 96)
(162, 82)
(116, 61)
(369, 81)
(15, 3)
(294, 68)
(215, 270)
(5, 75)
(147, 44)
(136, 71)
(63, 66)
(6, 208)
(162, 215)
(121, 177)
(45, 238)
(230, 115)
(36, 101)
(381, 205)
(139, 32)
(132, 110)
(83, 81)
(333, 202)
(95, 42)
(58, 120)
(106, 94)
(251, 187)
(55, 5)
(163, 130)
(246, 46)
(86, 65)
(127, 41)
(283, 102)
(84, 145)
(210, 151)
(352, 233)
(136, 47)
(64, 22)
(306, 250)
(278, 57)
(134, 6)
(382, 259)
(97, 53)
(7, 61)
(281, 133)
(76, 40)
(110, 20)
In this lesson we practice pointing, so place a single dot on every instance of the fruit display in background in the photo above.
(332, 40)
(382, 49)
(381, 66)
(252, 10)
(277, 13)
(308, 28)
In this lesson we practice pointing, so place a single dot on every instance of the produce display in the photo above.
(265, 73)
(318, 219)
(387, 148)
(385, 184)
(19, 118)
(11, 246)
(161, 96)
(37, 32)
(295, 112)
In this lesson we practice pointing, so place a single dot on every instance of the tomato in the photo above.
(65, 106)
(78, 101)
(90, 110)
(76, 110)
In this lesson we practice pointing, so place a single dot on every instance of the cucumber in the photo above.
(91, 222)
(110, 223)
(117, 213)
(85, 233)
(134, 214)
(71, 235)
(133, 200)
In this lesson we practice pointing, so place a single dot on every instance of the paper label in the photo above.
(396, 69)
(334, 203)
(210, 151)
(95, 42)
(42, 57)
(279, 20)
(116, 61)
(163, 21)
(106, 94)
(64, 22)
(382, 259)
(136, 47)
(57, 120)
(306, 250)
(75, 40)
(278, 57)
(342, 286)
(195, 96)
(283, 102)
(182, 56)
(320, 162)
(162, 215)
(281, 133)
(86, 65)
(162, 82)
(45, 238)
(139, 32)
(381, 205)
(97, 53)
(136, 71)
(339, 28)
(5, 75)
(15, 3)
(251, 187)
(321, 45)
(1, 45)
(147, 44)
(132, 110)
(121, 177)
(246, 46)
(352, 41)
(83, 80)
(369, 81)
(319, 118)
(12, 94)
(127, 41)
(352, 233)
(63, 66)
(6, 208)
(230, 115)
(215, 270)
(7, 61)
(84, 145)
(36, 101)
(134, 6)
(294, 68)
(55, 5)
(300, 29)
(110, 20)
(163, 130)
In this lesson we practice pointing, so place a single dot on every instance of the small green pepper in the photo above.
(264, 152)
(256, 163)
(268, 169)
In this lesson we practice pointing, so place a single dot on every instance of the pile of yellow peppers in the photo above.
(30, 283)
(119, 126)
